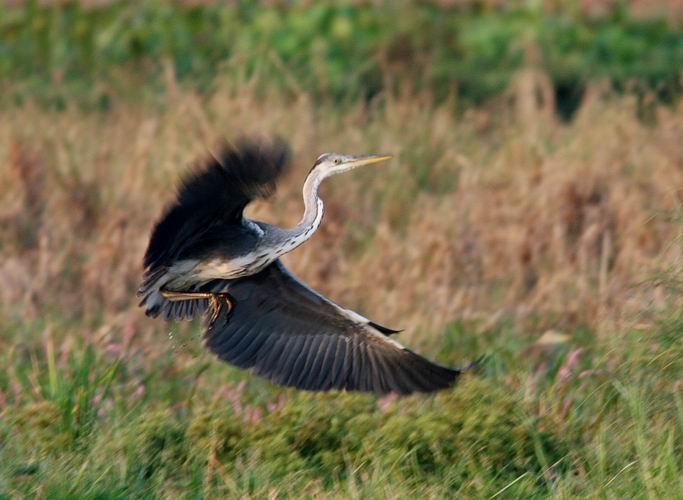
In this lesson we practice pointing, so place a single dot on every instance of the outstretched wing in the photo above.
(211, 199)
(295, 337)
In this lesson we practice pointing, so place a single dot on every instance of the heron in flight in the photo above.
(205, 257)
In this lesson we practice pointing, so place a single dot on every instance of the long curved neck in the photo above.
(313, 205)
(313, 213)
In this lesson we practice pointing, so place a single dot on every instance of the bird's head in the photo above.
(329, 164)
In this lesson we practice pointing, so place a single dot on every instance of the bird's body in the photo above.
(204, 253)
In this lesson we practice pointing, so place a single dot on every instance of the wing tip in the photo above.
(430, 377)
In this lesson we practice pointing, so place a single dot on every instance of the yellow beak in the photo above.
(368, 160)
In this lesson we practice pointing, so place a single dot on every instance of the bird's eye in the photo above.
(337, 161)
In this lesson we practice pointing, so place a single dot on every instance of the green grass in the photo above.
(90, 421)
(97, 401)
(343, 50)
(489, 231)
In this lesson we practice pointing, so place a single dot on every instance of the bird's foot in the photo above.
(215, 302)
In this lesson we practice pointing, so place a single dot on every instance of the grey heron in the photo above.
(205, 257)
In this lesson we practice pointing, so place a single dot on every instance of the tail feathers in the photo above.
(155, 304)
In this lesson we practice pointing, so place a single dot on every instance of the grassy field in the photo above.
(547, 241)
(468, 50)
(550, 247)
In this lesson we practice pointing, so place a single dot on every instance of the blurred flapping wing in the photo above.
(206, 217)
(212, 198)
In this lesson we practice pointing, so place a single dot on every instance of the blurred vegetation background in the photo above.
(470, 50)
(532, 213)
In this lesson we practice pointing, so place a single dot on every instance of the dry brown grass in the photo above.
(498, 216)
(478, 217)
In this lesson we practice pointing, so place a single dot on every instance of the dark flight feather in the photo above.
(295, 337)
(214, 195)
